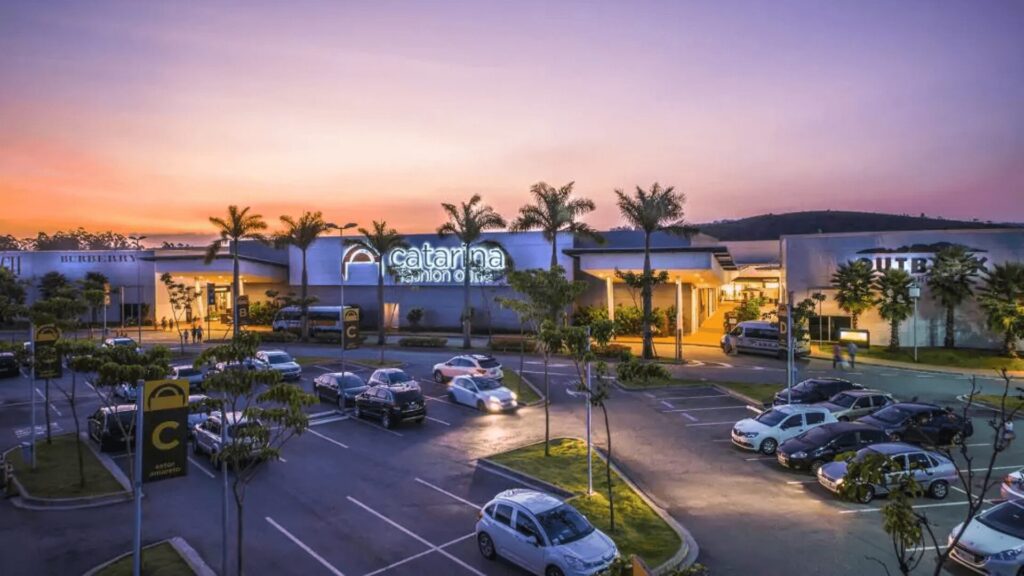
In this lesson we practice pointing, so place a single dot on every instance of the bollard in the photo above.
(26, 451)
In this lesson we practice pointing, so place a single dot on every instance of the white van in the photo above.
(760, 337)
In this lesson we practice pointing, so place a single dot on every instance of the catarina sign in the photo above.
(164, 429)
(428, 264)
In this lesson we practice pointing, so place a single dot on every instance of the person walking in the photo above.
(199, 334)
(1008, 435)
(837, 356)
(195, 335)
(851, 349)
(163, 323)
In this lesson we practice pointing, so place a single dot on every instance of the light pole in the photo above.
(138, 282)
(915, 295)
(341, 283)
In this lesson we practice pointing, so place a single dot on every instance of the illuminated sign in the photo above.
(443, 265)
(861, 337)
(12, 263)
(916, 260)
(97, 258)
(165, 429)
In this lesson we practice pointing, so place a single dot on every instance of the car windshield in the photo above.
(124, 342)
(487, 383)
(564, 525)
(1008, 519)
(817, 435)
(398, 376)
(350, 381)
(891, 414)
(186, 372)
(489, 363)
(771, 417)
(406, 396)
(843, 399)
(278, 358)
(805, 386)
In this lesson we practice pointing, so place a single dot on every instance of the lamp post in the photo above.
(915, 295)
(341, 283)
(138, 282)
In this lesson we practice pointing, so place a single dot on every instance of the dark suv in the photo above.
(921, 423)
(106, 431)
(392, 404)
(822, 444)
(814, 390)
(8, 364)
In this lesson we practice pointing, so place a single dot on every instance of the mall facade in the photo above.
(705, 275)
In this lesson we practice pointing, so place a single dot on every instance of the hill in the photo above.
(771, 226)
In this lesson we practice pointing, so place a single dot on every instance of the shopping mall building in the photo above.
(703, 273)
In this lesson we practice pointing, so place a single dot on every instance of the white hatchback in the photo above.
(392, 377)
(993, 542)
(543, 535)
(774, 426)
(486, 394)
(468, 365)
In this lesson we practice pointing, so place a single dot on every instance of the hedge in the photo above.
(422, 342)
(513, 343)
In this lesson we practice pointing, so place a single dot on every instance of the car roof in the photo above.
(274, 351)
(534, 501)
(388, 370)
(183, 366)
(11, 354)
(895, 448)
(481, 356)
(841, 427)
(197, 397)
(342, 374)
(825, 380)
(118, 408)
(864, 392)
(917, 406)
(758, 324)
(798, 408)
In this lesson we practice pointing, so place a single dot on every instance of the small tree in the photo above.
(12, 297)
(819, 299)
(302, 233)
(93, 294)
(894, 303)
(853, 284)
(951, 281)
(258, 396)
(1002, 299)
(62, 308)
(78, 356)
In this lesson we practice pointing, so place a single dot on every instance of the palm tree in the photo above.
(853, 283)
(660, 209)
(239, 225)
(554, 211)
(894, 303)
(468, 222)
(380, 242)
(1002, 299)
(93, 292)
(302, 233)
(951, 281)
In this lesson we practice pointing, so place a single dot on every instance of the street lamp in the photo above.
(341, 283)
(915, 295)
(138, 282)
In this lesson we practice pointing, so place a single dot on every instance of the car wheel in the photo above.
(866, 494)
(554, 571)
(451, 396)
(816, 465)
(939, 489)
(844, 418)
(195, 447)
(768, 446)
(486, 546)
(438, 377)
(480, 406)
(957, 439)
(385, 419)
(358, 413)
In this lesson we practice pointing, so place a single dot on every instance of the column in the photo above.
(694, 308)
(610, 297)
(679, 304)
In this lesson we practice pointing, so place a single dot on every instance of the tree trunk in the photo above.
(380, 302)
(1010, 345)
(645, 294)
(522, 359)
(78, 429)
(466, 327)
(46, 409)
(894, 335)
(234, 288)
(950, 340)
(304, 290)
(608, 468)
(547, 404)
(554, 251)
(853, 320)
(239, 524)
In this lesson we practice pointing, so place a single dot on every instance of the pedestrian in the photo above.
(195, 336)
(184, 335)
(1008, 435)
(837, 356)
(199, 334)
(851, 349)
(163, 322)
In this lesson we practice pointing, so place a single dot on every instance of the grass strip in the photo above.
(56, 473)
(159, 560)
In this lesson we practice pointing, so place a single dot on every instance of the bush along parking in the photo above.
(634, 371)
(512, 343)
(422, 342)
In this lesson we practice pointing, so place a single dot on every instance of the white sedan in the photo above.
(993, 542)
(778, 424)
(468, 365)
(486, 394)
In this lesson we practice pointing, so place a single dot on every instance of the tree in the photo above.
(53, 284)
(12, 297)
(380, 242)
(62, 307)
(93, 294)
(853, 283)
(78, 356)
(657, 210)
(819, 299)
(239, 225)
(1002, 299)
(951, 281)
(894, 303)
(181, 298)
(78, 239)
(9, 243)
(260, 397)
(553, 211)
(468, 222)
(302, 233)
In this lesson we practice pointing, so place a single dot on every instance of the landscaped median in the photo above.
(639, 529)
(524, 392)
(933, 357)
(760, 394)
(55, 481)
(172, 557)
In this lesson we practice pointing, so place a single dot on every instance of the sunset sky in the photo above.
(148, 116)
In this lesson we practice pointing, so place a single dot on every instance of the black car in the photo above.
(921, 423)
(822, 444)
(392, 404)
(814, 390)
(9, 364)
(113, 428)
(339, 388)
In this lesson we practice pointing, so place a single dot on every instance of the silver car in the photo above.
(282, 362)
(486, 394)
(543, 535)
(932, 471)
(852, 404)
(206, 437)
(993, 542)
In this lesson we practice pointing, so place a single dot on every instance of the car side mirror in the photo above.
(532, 539)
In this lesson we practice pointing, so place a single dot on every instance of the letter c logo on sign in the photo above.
(158, 442)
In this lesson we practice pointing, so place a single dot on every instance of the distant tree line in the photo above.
(78, 239)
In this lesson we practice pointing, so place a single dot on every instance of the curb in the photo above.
(187, 553)
(525, 479)
(534, 388)
(929, 368)
(742, 397)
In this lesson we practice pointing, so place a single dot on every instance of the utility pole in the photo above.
(224, 560)
(138, 281)
(790, 357)
(590, 451)
(32, 390)
(341, 283)
(137, 543)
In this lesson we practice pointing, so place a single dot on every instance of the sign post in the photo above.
(106, 304)
(45, 364)
(211, 300)
(243, 309)
(140, 388)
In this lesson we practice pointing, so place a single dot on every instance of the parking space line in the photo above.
(729, 422)
(305, 548)
(322, 421)
(438, 399)
(995, 468)
(927, 548)
(52, 407)
(449, 494)
(755, 458)
(741, 407)
(690, 417)
(372, 425)
(940, 505)
(415, 536)
(201, 467)
(328, 438)
(324, 368)
(798, 482)
(432, 419)
(667, 404)
(693, 397)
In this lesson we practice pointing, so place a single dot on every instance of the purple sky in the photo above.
(149, 116)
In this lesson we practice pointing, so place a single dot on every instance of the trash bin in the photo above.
(26, 451)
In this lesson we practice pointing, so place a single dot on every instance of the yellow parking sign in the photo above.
(165, 429)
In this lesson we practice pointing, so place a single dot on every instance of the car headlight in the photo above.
(1008, 554)
(798, 455)
(574, 561)
(514, 395)
(750, 434)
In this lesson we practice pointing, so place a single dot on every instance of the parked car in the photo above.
(112, 427)
(932, 471)
(281, 361)
(774, 426)
(247, 364)
(543, 535)
(468, 365)
(126, 392)
(814, 390)
(206, 437)
(486, 394)
(9, 364)
(1012, 487)
(121, 343)
(819, 445)
(760, 337)
(391, 404)
(339, 388)
(198, 410)
(392, 377)
(921, 423)
(195, 376)
(993, 542)
(855, 403)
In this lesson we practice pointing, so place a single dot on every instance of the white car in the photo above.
(198, 410)
(282, 362)
(778, 424)
(468, 365)
(247, 364)
(392, 377)
(206, 437)
(543, 535)
(122, 343)
(1012, 487)
(195, 376)
(486, 394)
(993, 542)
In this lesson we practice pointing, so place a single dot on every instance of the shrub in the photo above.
(633, 370)
(620, 351)
(513, 343)
(587, 315)
(282, 336)
(415, 316)
(422, 342)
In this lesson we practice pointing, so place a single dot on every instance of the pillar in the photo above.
(679, 304)
(610, 297)
(694, 308)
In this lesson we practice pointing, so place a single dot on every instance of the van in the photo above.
(760, 337)
(112, 428)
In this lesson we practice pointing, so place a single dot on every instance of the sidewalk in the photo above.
(920, 367)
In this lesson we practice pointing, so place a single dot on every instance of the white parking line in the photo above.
(415, 536)
(432, 419)
(201, 467)
(692, 397)
(449, 494)
(741, 407)
(324, 368)
(755, 458)
(995, 468)
(926, 548)
(52, 407)
(942, 505)
(437, 399)
(302, 545)
(321, 421)
(649, 395)
(729, 422)
(328, 438)
(690, 417)
(667, 404)
(798, 482)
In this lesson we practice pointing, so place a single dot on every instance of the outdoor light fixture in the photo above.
(915, 294)
(341, 284)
